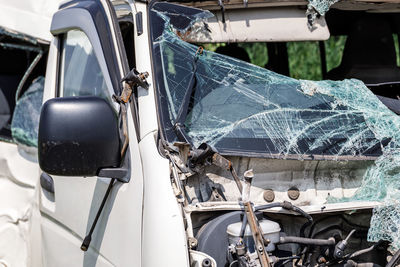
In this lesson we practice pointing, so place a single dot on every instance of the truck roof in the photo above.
(369, 5)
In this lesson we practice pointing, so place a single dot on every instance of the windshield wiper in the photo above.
(183, 111)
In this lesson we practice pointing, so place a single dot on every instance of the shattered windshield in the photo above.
(239, 108)
(242, 109)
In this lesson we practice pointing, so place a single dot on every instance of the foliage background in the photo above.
(304, 57)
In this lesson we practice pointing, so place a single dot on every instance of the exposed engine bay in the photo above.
(270, 212)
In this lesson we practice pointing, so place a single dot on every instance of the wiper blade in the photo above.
(179, 125)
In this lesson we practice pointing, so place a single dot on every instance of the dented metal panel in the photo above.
(19, 221)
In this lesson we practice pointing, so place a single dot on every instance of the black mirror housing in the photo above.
(78, 136)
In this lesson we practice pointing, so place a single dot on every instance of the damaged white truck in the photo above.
(157, 152)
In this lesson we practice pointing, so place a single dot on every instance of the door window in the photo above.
(81, 74)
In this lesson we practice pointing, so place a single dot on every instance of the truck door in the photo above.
(84, 60)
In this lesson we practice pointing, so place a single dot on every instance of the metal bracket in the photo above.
(221, 4)
(133, 78)
(122, 174)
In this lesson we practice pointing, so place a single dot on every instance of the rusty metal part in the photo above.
(321, 260)
(253, 222)
(293, 193)
(183, 35)
(126, 93)
(266, 240)
(184, 150)
(124, 130)
(269, 195)
(257, 235)
(226, 164)
(237, 180)
(143, 75)
(216, 195)
(221, 162)
(122, 100)
(135, 78)
(199, 51)
(178, 189)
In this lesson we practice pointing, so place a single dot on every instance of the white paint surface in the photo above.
(279, 24)
(31, 17)
(19, 172)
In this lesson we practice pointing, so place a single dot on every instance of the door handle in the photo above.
(47, 183)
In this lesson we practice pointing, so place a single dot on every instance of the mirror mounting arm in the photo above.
(121, 174)
(132, 79)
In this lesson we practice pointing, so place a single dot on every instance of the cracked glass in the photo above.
(241, 109)
(317, 7)
(25, 122)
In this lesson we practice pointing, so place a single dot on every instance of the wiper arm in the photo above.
(179, 125)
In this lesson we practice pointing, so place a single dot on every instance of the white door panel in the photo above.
(19, 223)
(52, 235)
(117, 235)
(69, 213)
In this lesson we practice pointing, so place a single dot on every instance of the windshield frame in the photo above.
(166, 129)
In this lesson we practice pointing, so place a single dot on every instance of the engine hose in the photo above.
(285, 205)
(289, 206)
(269, 206)
(307, 241)
(327, 229)
(243, 228)
(362, 251)
(310, 233)
(307, 216)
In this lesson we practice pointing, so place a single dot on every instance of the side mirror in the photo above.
(78, 136)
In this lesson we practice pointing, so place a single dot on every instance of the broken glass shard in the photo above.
(25, 122)
(317, 7)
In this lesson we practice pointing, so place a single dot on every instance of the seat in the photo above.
(8, 86)
(233, 50)
(5, 113)
(369, 54)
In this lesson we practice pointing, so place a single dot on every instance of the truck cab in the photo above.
(187, 134)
